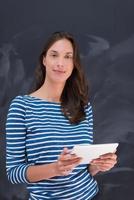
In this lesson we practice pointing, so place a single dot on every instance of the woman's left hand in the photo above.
(103, 163)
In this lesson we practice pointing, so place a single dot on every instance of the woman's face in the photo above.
(59, 61)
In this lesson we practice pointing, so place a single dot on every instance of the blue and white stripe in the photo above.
(36, 133)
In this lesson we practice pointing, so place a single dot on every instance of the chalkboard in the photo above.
(105, 33)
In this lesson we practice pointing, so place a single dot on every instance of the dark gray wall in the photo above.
(105, 32)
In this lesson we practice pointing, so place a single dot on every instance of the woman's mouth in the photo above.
(59, 71)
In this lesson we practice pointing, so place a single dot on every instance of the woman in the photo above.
(43, 127)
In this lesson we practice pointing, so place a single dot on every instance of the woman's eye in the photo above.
(68, 57)
(53, 55)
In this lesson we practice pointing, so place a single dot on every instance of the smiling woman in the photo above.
(59, 62)
(60, 68)
(46, 124)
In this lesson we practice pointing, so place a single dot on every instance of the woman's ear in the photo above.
(44, 61)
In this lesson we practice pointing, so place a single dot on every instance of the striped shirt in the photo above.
(36, 133)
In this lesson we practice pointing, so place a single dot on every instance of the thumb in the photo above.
(66, 150)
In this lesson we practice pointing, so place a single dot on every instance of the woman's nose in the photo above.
(60, 62)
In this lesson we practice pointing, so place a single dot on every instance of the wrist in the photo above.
(93, 169)
(55, 169)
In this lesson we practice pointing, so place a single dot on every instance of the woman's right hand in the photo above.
(66, 163)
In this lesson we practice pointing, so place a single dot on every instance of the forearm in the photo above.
(41, 172)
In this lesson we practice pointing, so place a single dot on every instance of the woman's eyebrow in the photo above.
(54, 51)
(69, 52)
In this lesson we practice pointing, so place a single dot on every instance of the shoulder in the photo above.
(88, 107)
(22, 99)
(19, 103)
(18, 100)
(88, 111)
(17, 107)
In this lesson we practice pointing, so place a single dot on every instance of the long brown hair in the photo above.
(74, 96)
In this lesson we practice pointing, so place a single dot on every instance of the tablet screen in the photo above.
(90, 152)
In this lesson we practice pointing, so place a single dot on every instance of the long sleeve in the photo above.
(16, 164)
(90, 120)
(37, 132)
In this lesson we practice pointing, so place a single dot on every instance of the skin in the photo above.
(103, 163)
(59, 63)
(59, 66)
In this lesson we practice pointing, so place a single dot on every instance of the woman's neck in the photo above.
(50, 92)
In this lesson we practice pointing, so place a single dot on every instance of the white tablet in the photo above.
(90, 152)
